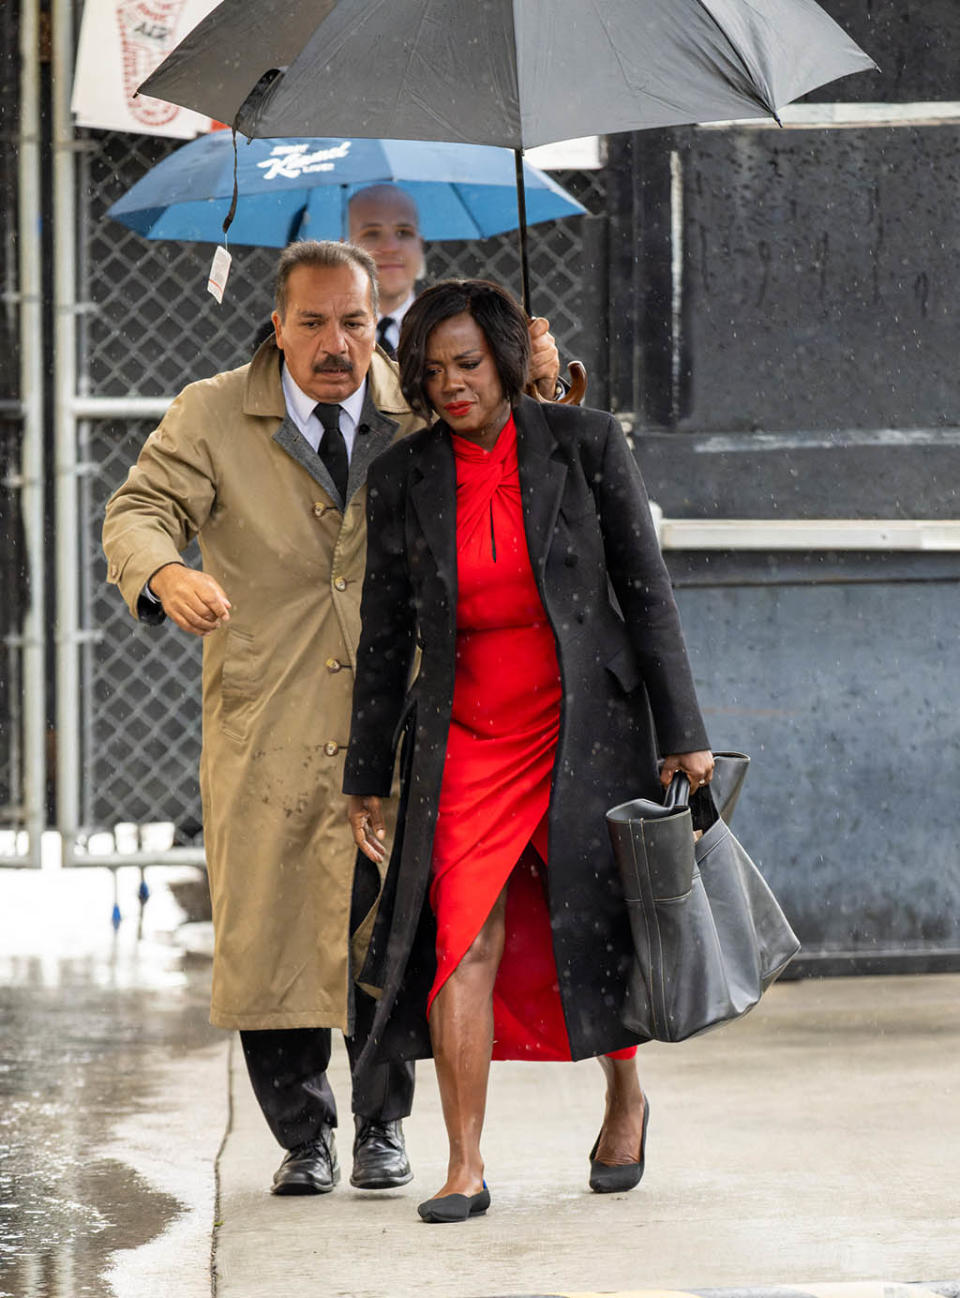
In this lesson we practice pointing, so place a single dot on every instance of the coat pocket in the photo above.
(240, 683)
(625, 669)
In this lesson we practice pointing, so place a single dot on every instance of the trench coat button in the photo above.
(331, 749)
(334, 665)
(319, 508)
(340, 583)
(581, 618)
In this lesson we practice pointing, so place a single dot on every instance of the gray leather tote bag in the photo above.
(708, 933)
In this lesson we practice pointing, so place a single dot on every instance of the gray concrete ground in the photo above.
(815, 1142)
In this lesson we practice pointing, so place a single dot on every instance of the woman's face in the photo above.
(462, 382)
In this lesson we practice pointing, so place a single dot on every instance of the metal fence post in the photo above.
(65, 430)
(32, 457)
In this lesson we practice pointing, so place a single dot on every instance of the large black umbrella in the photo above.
(509, 72)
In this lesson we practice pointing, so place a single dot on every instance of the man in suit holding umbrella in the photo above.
(384, 221)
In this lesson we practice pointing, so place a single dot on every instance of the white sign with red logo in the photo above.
(121, 42)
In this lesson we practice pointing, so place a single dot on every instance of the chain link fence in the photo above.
(140, 685)
(146, 328)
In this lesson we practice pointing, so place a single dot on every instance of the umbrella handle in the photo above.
(578, 385)
(576, 389)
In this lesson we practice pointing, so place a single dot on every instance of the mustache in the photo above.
(334, 365)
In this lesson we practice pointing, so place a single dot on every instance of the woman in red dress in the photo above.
(495, 990)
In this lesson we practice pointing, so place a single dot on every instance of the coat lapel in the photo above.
(290, 438)
(433, 492)
(375, 432)
(543, 472)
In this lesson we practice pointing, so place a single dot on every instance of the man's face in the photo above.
(384, 222)
(328, 332)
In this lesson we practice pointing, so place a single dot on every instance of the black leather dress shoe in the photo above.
(309, 1169)
(379, 1156)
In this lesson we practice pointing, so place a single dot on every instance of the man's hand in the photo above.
(544, 358)
(194, 601)
(366, 820)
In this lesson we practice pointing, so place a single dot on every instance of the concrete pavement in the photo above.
(813, 1145)
(815, 1142)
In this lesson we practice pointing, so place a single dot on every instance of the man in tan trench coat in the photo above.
(274, 489)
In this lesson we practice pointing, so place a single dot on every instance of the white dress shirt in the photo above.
(300, 408)
(392, 332)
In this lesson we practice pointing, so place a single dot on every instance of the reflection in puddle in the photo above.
(89, 1019)
(61, 1248)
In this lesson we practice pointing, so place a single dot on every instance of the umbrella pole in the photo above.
(522, 214)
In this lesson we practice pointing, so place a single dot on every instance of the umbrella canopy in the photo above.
(507, 72)
(297, 188)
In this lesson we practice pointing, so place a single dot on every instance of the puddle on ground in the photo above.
(82, 1037)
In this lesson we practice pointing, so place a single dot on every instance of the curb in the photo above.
(840, 1289)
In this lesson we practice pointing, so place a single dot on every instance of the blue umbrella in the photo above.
(299, 188)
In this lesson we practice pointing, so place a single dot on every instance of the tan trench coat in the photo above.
(228, 466)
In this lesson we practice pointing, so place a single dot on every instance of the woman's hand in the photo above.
(369, 831)
(697, 767)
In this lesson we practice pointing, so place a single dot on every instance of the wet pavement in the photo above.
(112, 1102)
(814, 1142)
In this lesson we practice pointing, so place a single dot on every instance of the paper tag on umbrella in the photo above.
(219, 271)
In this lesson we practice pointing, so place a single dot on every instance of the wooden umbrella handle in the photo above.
(578, 385)
(576, 391)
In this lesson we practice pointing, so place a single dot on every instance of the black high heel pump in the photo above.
(610, 1178)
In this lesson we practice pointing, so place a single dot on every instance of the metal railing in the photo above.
(808, 534)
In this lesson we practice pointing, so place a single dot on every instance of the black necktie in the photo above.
(333, 449)
(386, 323)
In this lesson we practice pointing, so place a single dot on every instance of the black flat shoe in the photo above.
(611, 1178)
(379, 1156)
(455, 1207)
(309, 1169)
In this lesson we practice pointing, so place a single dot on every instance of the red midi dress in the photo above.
(504, 725)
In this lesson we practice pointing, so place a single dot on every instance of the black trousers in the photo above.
(288, 1070)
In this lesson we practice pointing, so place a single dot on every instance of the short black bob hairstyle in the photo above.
(499, 316)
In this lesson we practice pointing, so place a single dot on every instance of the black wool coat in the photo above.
(627, 690)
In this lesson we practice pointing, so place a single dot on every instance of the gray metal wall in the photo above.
(795, 356)
(821, 269)
(844, 692)
(913, 41)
